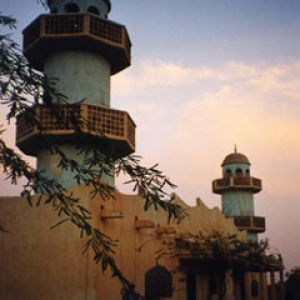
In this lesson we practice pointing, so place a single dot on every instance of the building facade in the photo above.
(79, 45)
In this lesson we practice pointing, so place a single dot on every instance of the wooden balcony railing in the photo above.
(251, 223)
(237, 182)
(81, 26)
(97, 122)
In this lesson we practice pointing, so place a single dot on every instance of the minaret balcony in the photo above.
(237, 183)
(87, 32)
(111, 130)
(250, 223)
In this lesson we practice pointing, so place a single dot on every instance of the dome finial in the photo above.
(235, 158)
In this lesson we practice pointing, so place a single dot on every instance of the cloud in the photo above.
(211, 108)
(243, 116)
(160, 74)
(188, 119)
(197, 114)
(207, 111)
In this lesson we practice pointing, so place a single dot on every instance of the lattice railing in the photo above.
(238, 181)
(108, 30)
(66, 119)
(74, 24)
(259, 222)
(62, 24)
(250, 222)
(32, 32)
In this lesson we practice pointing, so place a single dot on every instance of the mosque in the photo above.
(77, 43)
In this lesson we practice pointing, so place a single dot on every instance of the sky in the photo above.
(206, 75)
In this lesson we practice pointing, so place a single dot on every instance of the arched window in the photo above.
(239, 171)
(158, 283)
(212, 286)
(93, 10)
(247, 172)
(71, 8)
(191, 286)
(228, 172)
(254, 288)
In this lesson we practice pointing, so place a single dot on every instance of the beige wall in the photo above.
(37, 263)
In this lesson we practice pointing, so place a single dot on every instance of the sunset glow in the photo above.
(205, 76)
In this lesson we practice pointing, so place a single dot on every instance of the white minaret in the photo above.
(236, 188)
(78, 45)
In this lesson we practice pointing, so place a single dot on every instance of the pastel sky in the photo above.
(207, 75)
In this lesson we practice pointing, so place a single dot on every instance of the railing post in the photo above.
(84, 117)
(123, 38)
(37, 115)
(126, 131)
(42, 25)
(86, 23)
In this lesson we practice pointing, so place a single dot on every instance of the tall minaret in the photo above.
(237, 188)
(77, 44)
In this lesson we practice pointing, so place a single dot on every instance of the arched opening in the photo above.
(239, 172)
(54, 11)
(212, 286)
(158, 283)
(94, 10)
(247, 172)
(254, 289)
(71, 8)
(242, 288)
(191, 289)
(228, 172)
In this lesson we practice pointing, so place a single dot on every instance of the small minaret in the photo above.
(237, 188)
(78, 45)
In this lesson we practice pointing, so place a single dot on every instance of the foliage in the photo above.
(227, 251)
(292, 284)
(217, 253)
(21, 89)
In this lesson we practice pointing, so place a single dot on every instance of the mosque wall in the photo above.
(39, 263)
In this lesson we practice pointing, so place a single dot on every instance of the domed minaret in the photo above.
(237, 188)
(79, 46)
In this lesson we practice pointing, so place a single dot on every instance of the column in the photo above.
(263, 286)
(282, 289)
(247, 280)
(201, 287)
(273, 291)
